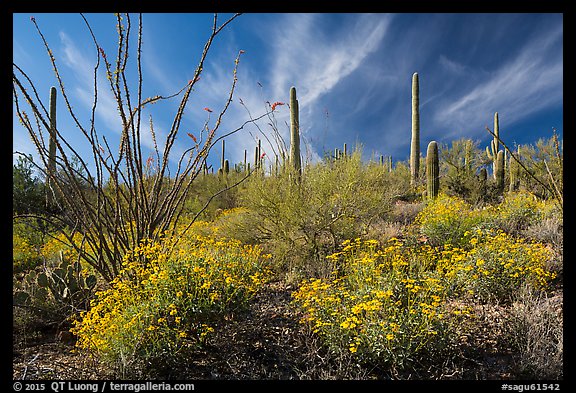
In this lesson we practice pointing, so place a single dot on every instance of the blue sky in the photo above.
(353, 74)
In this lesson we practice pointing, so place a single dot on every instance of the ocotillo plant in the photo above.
(492, 152)
(499, 171)
(432, 170)
(51, 167)
(295, 134)
(415, 143)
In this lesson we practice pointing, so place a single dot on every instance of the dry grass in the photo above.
(536, 332)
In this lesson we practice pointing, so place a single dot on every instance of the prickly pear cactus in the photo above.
(55, 290)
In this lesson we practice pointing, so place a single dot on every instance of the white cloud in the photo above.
(316, 62)
(524, 85)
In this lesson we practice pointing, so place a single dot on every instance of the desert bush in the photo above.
(495, 265)
(518, 211)
(26, 243)
(535, 329)
(397, 303)
(167, 298)
(305, 221)
(446, 219)
(384, 305)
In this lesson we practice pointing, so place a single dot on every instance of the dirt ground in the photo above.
(268, 342)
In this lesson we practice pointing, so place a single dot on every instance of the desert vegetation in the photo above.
(448, 266)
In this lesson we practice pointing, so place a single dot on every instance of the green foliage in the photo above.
(27, 189)
(536, 157)
(458, 167)
(334, 201)
(446, 219)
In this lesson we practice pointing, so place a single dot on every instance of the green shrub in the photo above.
(303, 222)
(446, 219)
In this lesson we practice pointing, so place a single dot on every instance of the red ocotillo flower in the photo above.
(274, 105)
(193, 137)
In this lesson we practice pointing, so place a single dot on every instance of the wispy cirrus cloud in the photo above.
(308, 58)
(315, 61)
(523, 85)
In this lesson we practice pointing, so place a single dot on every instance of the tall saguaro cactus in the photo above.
(51, 169)
(492, 152)
(222, 159)
(499, 171)
(432, 170)
(295, 134)
(415, 142)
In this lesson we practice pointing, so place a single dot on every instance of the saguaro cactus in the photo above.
(415, 143)
(432, 170)
(295, 134)
(499, 171)
(492, 152)
(514, 170)
(222, 157)
(245, 161)
(51, 168)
